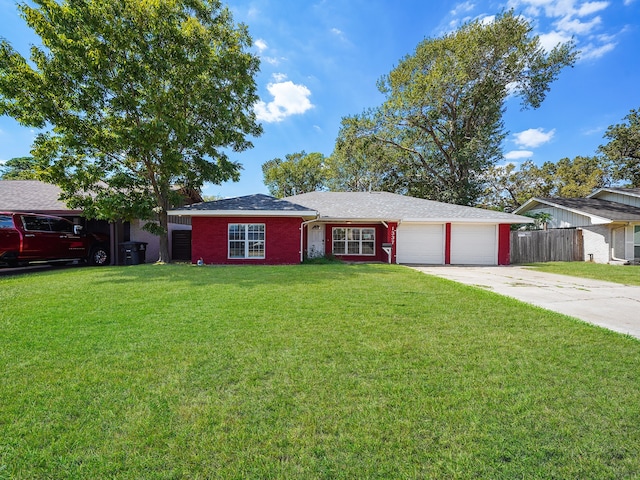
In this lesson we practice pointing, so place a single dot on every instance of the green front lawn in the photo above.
(625, 274)
(311, 371)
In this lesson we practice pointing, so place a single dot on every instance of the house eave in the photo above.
(438, 220)
(612, 190)
(243, 213)
(468, 220)
(595, 219)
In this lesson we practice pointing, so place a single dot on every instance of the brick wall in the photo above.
(381, 237)
(597, 242)
(282, 240)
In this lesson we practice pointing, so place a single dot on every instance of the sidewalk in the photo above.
(609, 305)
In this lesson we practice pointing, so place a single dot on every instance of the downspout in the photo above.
(302, 225)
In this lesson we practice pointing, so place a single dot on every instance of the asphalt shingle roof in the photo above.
(629, 191)
(596, 206)
(31, 196)
(258, 202)
(391, 206)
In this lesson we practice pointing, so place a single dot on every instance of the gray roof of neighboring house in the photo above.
(634, 192)
(249, 203)
(31, 196)
(591, 206)
(391, 206)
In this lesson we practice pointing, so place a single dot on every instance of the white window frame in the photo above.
(636, 240)
(348, 238)
(244, 229)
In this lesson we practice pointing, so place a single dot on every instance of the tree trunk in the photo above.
(164, 237)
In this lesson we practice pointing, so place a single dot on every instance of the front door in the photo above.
(315, 247)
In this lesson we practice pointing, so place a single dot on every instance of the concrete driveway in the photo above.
(609, 305)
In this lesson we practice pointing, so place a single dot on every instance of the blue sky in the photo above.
(320, 61)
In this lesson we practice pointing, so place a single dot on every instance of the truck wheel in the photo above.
(99, 256)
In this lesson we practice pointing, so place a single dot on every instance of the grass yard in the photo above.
(625, 274)
(309, 371)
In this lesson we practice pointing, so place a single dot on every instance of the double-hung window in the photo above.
(246, 240)
(636, 241)
(354, 241)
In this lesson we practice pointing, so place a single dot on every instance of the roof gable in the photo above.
(600, 211)
(631, 192)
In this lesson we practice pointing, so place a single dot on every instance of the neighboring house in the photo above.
(33, 196)
(609, 219)
(353, 226)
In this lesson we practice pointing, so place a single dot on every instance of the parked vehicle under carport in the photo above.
(27, 238)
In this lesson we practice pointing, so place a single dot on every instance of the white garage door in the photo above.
(420, 243)
(474, 245)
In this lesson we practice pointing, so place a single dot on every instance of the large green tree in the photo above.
(359, 163)
(20, 168)
(297, 173)
(508, 187)
(444, 103)
(623, 148)
(136, 99)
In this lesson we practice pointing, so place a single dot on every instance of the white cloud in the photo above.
(462, 8)
(558, 8)
(279, 77)
(593, 131)
(288, 99)
(272, 60)
(591, 7)
(551, 39)
(628, 2)
(533, 137)
(569, 25)
(572, 20)
(488, 19)
(592, 52)
(518, 154)
(261, 45)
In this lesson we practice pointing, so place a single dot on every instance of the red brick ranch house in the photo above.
(353, 226)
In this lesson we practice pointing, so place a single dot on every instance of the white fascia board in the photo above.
(356, 220)
(526, 206)
(611, 190)
(243, 213)
(467, 220)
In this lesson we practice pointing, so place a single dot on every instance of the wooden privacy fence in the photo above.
(547, 246)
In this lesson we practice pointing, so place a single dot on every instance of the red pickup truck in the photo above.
(30, 237)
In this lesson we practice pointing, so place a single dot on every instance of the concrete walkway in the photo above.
(609, 305)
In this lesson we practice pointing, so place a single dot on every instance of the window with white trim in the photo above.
(354, 241)
(246, 240)
(636, 241)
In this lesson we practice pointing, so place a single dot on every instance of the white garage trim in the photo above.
(474, 244)
(420, 243)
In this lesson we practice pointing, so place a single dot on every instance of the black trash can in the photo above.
(133, 253)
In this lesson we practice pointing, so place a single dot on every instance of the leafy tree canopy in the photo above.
(508, 187)
(20, 168)
(623, 149)
(138, 97)
(359, 163)
(297, 173)
(444, 103)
